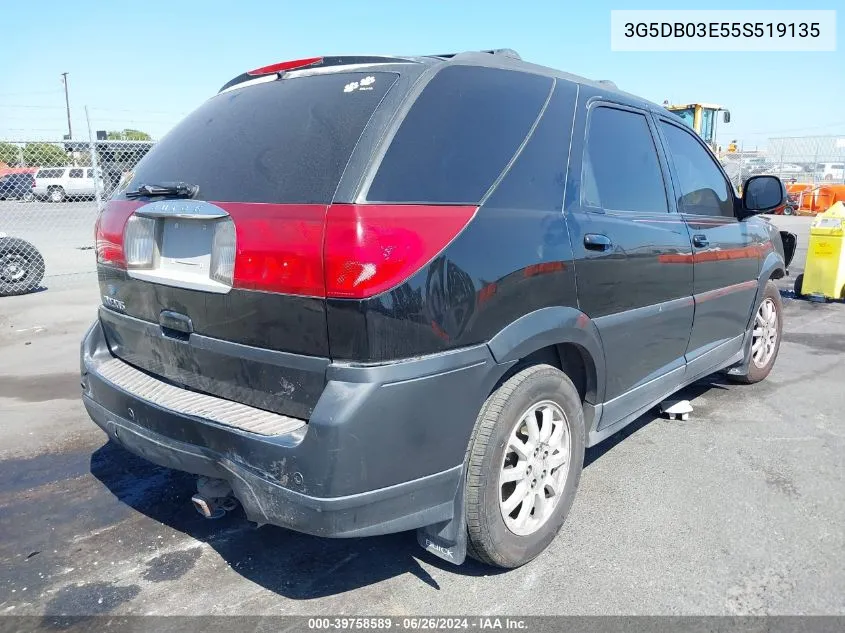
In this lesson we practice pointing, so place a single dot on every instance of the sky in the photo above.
(145, 65)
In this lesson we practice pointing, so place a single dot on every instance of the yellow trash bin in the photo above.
(824, 272)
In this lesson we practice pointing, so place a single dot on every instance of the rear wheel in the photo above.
(525, 461)
(765, 336)
(28, 197)
(57, 194)
(21, 267)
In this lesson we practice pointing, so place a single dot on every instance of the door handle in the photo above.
(597, 242)
(700, 241)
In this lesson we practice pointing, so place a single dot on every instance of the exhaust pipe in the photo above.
(213, 498)
(207, 507)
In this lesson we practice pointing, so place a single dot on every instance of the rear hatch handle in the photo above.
(175, 325)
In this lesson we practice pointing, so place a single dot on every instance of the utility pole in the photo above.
(67, 106)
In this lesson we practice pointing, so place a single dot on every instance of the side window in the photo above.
(621, 171)
(703, 188)
(75, 173)
(89, 173)
(459, 135)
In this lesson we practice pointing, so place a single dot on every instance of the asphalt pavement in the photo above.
(739, 510)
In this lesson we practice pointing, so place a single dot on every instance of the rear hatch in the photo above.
(218, 284)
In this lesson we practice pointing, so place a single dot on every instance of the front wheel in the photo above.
(525, 461)
(765, 336)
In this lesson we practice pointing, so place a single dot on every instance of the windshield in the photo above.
(687, 115)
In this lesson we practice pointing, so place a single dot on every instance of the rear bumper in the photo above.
(382, 451)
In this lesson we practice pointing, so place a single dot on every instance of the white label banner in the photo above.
(723, 30)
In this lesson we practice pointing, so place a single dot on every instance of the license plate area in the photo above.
(184, 255)
(186, 246)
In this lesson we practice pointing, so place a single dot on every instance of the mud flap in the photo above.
(741, 368)
(448, 539)
(790, 241)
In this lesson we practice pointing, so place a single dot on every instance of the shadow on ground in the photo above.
(294, 565)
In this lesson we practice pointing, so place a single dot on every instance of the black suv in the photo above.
(371, 294)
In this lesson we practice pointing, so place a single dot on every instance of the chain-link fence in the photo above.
(50, 193)
(810, 160)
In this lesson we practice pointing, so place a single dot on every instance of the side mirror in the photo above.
(726, 116)
(761, 194)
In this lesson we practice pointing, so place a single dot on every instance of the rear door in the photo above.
(632, 278)
(726, 252)
(224, 292)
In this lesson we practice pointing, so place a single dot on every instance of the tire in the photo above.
(57, 194)
(770, 335)
(28, 197)
(21, 267)
(798, 287)
(490, 539)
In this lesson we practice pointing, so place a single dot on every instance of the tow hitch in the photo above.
(214, 498)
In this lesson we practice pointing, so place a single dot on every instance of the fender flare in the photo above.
(553, 326)
(773, 262)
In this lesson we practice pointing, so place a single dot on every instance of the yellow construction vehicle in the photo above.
(701, 117)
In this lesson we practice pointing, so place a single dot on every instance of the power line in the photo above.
(143, 111)
(31, 107)
(35, 92)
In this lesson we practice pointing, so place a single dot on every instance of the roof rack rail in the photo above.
(313, 62)
(504, 52)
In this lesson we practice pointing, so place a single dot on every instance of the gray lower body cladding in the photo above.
(382, 451)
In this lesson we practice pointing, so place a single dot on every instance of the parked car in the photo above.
(787, 168)
(16, 186)
(369, 295)
(21, 266)
(833, 171)
(66, 183)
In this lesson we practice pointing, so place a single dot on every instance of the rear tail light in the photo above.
(372, 248)
(139, 240)
(343, 251)
(223, 252)
(279, 247)
(109, 232)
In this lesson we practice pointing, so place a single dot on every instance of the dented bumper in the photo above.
(377, 455)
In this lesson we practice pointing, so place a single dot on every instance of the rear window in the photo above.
(459, 135)
(50, 173)
(285, 141)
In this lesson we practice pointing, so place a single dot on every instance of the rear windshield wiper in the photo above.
(170, 189)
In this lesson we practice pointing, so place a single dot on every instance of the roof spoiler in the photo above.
(313, 62)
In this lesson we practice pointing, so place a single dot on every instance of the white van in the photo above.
(833, 171)
(60, 183)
